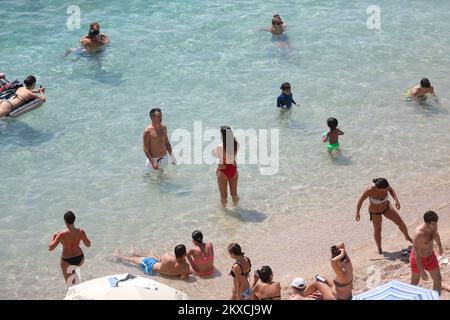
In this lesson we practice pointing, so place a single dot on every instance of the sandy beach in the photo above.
(372, 270)
(207, 64)
(307, 254)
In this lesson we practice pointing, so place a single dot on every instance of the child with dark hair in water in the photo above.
(420, 92)
(286, 99)
(333, 135)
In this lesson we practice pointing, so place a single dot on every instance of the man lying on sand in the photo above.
(167, 264)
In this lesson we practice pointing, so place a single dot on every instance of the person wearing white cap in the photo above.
(298, 288)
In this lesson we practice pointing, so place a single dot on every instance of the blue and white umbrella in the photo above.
(396, 290)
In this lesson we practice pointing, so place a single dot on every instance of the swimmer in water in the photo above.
(419, 92)
(278, 27)
(95, 39)
(332, 136)
(277, 30)
(285, 99)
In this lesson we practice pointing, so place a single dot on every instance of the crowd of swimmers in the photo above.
(199, 260)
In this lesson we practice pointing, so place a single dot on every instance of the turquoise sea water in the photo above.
(207, 61)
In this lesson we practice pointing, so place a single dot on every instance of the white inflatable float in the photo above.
(123, 287)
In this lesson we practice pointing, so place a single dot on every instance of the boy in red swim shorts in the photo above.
(422, 256)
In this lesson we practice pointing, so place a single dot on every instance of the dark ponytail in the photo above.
(235, 249)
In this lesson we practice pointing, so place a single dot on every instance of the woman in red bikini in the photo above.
(201, 258)
(227, 173)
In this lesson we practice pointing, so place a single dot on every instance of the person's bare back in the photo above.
(333, 135)
(70, 240)
(169, 265)
(419, 92)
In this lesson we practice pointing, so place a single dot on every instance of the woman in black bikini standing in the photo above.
(240, 271)
(72, 255)
(378, 195)
(22, 96)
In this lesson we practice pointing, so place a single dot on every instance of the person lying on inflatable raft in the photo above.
(23, 99)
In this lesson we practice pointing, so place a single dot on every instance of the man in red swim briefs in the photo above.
(422, 256)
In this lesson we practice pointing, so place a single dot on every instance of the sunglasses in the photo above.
(278, 23)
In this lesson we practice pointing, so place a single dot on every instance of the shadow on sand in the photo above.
(245, 215)
(402, 255)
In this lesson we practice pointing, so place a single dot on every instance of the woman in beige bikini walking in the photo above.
(380, 205)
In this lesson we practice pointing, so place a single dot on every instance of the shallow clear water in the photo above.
(206, 61)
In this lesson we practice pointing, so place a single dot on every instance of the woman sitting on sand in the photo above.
(22, 96)
(240, 271)
(201, 258)
(263, 286)
(378, 195)
(341, 287)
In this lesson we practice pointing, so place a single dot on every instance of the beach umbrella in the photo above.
(123, 287)
(396, 290)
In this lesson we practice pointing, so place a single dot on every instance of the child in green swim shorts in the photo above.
(333, 135)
